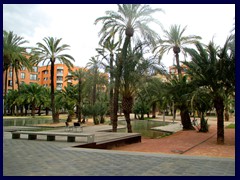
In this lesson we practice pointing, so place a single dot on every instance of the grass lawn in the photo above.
(232, 126)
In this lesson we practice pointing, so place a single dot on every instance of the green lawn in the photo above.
(232, 126)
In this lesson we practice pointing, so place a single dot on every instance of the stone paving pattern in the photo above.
(23, 157)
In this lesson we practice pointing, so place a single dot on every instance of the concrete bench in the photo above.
(32, 135)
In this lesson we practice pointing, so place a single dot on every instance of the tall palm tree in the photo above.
(51, 51)
(107, 51)
(80, 76)
(175, 40)
(93, 66)
(14, 55)
(129, 19)
(213, 68)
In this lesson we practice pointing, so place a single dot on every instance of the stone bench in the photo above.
(32, 135)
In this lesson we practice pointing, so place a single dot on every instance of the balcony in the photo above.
(59, 81)
(59, 67)
(59, 88)
(59, 73)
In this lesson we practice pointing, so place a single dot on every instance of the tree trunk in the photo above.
(226, 114)
(39, 110)
(5, 92)
(47, 111)
(127, 103)
(185, 119)
(54, 117)
(79, 107)
(128, 120)
(16, 72)
(121, 59)
(154, 105)
(12, 78)
(111, 89)
(33, 110)
(219, 105)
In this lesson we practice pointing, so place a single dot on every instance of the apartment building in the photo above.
(60, 73)
(24, 75)
(173, 70)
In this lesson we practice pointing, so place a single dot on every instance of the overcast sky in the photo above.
(75, 24)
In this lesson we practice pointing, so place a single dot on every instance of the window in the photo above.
(22, 75)
(45, 72)
(59, 71)
(33, 77)
(45, 79)
(10, 74)
(59, 78)
(23, 68)
(35, 69)
(9, 82)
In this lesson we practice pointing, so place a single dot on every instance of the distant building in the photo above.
(60, 73)
(173, 70)
(24, 76)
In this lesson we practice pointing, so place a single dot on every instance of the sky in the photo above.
(74, 23)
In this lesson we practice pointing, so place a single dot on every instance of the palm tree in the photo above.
(213, 68)
(175, 40)
(67, 98)
(32, 94)
(80, 76)
(51, 51)
(126, 22)
(180, 91)
(11, 100)
(110, 46)
(93, 66)
(14, 55)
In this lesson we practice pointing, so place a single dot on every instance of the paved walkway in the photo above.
(44, 158)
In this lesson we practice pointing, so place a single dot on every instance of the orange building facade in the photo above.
(60, 73)
(41, 76)
(24, 76)
(173, 70)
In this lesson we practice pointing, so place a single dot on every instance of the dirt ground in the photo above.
(185, 142)
(188, 143)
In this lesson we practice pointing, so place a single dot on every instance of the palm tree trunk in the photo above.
(226, 113)
(17, 79)
(5, 92)
(79, 109)
(154, 105)
(12, 78)
(185, 119)
(111, 89)
(33, 110)
(178, 64)
(127, 103)
(219, 105)
(121, 59)
(54, 117)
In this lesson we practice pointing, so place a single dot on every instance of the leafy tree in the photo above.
(126, 22)
(79, 76)
(175, 40)
(180, 90)
(32, 94)
(107, 51)
(14, 56)
(213, 68)
(67, 99)
(51, 51)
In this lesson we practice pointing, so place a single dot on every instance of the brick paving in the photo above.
(43, 158)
